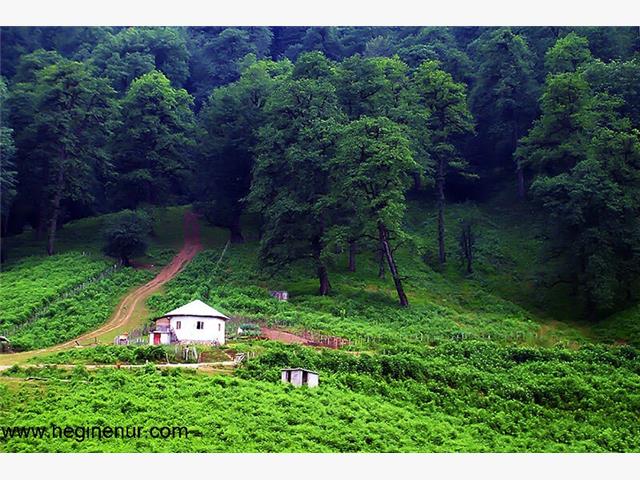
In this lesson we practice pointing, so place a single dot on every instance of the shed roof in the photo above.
(196, 309)
(300, 369)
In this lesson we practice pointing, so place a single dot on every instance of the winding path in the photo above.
(127, 305)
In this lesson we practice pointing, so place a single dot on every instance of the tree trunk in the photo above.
(417, 181)
(352, 256)
(440, 197)
(323, 276)
(381, 260)
(55, 212)
(4, 220)
(236, 231)
(388, 253)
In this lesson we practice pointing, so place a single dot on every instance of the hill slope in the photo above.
(473, 365)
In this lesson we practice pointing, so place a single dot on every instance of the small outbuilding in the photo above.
(195, 322)
(122, 339)
(299, 377)
(281, 295)
(5, 345)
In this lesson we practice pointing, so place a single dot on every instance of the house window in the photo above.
(219, 327)
(199, 325)
(178, 325)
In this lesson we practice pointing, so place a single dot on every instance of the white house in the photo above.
(195, 322)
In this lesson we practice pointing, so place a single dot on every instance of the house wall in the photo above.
(213, 330)
(313, 380)
(296, 378)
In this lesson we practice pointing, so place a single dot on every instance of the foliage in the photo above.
(503, 98)
(465, 396)
(33, 282)
(72, 316)
(132, 52)
(152, 146)
(126, 235)
(71, 117)
(231, 117)
(568, 54)
(290, 178)
(586, 158)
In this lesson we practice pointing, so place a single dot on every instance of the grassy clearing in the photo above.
(84, 235)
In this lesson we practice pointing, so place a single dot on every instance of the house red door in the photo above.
(156, 339)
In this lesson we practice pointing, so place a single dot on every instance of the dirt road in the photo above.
(123, 314)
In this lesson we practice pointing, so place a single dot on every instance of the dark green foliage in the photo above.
(219, 54)
(231, 118)
(152, 146)
(70, 119)
(504, 96)
(8, 172)
(586, 158)
(126, 235)
(290, 184)
(124, 56)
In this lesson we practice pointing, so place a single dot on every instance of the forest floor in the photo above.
(130, 311)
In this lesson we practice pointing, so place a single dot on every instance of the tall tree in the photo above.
(74, 116)
(568, 54)
(218, 55)
(134, 51)
(231, 119)
(586, 157)
(370, 175)
(30, 203)
(152, 146)
(449, 120)
(290, 178)
(503, 98)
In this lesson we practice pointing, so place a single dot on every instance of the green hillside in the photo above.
(473, 365)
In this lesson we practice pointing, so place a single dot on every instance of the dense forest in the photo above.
(322, 133)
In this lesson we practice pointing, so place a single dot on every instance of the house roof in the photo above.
(301, 369)
(196, 309)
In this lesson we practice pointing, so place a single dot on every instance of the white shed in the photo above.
(195, 322)
(299, 377)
